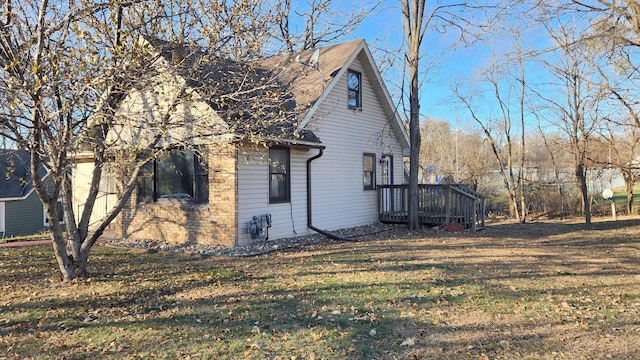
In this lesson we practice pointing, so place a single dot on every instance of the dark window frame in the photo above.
(149, 181)
(354, 93)
(280, 171)
(370, 173)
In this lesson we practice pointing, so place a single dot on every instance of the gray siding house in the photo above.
(21, 212)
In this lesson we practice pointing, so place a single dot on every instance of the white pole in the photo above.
(613, 210)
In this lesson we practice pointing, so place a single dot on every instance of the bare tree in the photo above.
(415, 25)
(607, 37)
(475, 167)
(419, 19)
(66, 70)
(622, 149)
(617, 22)
(505, 81)
(578, 114)
(49, 101)
(437, 153)
(312, 23)
(445, 155)
(619, 79)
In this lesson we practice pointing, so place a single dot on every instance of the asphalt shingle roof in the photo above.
(269, 97)
(15, 173)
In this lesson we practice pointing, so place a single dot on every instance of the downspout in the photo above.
(309, 207)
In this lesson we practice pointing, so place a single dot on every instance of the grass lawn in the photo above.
(43, 235)
(620, 197)
(548, 290)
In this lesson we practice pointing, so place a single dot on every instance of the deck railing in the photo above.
(438, 204)
(104, 203)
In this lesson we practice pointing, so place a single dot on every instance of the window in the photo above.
(60, 213)
(354, 89)
(369, 171)
(279, 186)
(174, 175)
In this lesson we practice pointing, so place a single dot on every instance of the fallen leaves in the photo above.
(453, 297)
(408, 342)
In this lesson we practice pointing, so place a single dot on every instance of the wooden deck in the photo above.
(438, 205)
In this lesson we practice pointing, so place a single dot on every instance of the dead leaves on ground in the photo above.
(453, 297)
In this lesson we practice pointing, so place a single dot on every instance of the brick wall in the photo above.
(175, 222)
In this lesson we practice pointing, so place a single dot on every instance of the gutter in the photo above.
(309, 207)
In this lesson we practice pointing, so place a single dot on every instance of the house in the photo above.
(316, 167)
(21, 212)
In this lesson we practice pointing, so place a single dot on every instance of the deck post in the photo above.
(483, 210)
(447, 205)
(475, 214)
(380, 199)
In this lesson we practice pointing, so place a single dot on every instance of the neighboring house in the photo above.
(21, 212)
(319, 169)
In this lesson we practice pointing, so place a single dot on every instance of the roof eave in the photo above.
(330, 86)
(380, 88)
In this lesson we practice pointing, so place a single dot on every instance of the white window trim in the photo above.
(45, 219)
(2, 229)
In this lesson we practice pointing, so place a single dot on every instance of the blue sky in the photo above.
(462, 65)
(385, 30)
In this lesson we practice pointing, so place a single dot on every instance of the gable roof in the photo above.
(15, 174)
(309, 86)
(277, 96)
(248, 96)
(306, 83)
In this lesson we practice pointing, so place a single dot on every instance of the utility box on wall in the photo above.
(259, 226)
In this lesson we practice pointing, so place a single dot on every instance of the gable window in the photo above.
(279, 185)
(354, 84)
(369, 171)
(174, 175)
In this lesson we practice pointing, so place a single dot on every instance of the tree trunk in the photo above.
(413, 22)
(414, 130)
(582, 184)
(60, 249)
(629, 182)
(561, 193)
(81, 263)
(513, 202)
(523, 88)
(629, 198)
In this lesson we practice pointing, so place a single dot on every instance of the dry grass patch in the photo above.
(535, 291)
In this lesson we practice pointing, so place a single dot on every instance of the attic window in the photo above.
(354, 82)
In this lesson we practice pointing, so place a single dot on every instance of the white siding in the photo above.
(2, 217)
(288, 219)
(339, 199)
(81, 182)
